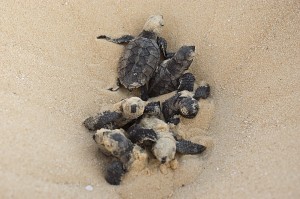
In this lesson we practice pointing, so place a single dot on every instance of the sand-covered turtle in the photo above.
(141, 56)
(167, 77)
(127, 156)
(165, 145)
(123, 112)
(184, 103)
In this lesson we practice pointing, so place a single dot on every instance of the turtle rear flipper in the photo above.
(202, 92)
(144, 93)
(114, 172)
(142, 136)
(101, 120)
(188, 147)
(125, 39)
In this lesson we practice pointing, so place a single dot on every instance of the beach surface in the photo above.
(55, 74)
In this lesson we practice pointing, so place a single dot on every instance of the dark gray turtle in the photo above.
(169, 75)
(184, 103)
(124, 112)
(141, 56)
(128, 156)
(165, 145)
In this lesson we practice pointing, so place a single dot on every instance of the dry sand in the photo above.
(54, 74)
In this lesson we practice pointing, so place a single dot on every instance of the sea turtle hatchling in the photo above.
(141, 56)
(128, 156)
(165, 145)
(169, 75)
(184, 103)
(124, 112)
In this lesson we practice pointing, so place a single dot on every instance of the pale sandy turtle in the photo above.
(127, 155)
(184, 103)
(123, 112)
(169, 76)
(164, 142)
(141, 56)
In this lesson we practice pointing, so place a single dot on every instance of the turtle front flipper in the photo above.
(114, 172)
(188, 147)
(142, 136)
(116, 87)
(202, 92)
(125, 39)
(162, 43)
(186, 82)
(101, 120)
(144, 93)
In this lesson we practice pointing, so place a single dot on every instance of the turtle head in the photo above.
(154, 24)
(188, 107)
(98, 138)
(164, 150)
(185, 53)
(113, 142)
(133, 107)
(184, 58)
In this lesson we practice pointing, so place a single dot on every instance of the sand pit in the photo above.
(54, 74)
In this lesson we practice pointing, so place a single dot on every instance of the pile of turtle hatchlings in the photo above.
(140, 128)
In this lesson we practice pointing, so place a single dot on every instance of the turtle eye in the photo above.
(163, 160)
(133, 108)
(161, 23)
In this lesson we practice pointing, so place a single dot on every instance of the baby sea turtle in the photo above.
(184, 103)
(141, 56)
(124, 112)
(128, 156)
(165, 145)
(166, 77)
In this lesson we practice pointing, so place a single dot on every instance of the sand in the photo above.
(54, 74)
